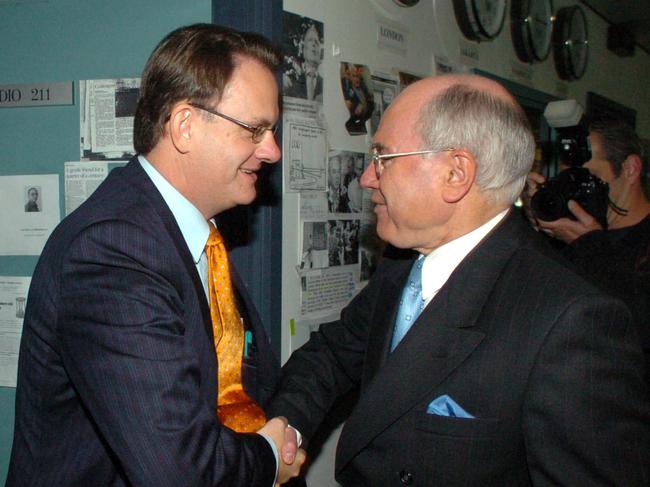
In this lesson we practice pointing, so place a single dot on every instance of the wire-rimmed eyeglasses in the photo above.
(379, 160)
(257, 131)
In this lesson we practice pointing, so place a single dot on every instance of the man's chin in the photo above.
(384, 233)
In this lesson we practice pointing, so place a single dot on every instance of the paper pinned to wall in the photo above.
(305, 153)
(327, 289)
(13, 297)
(81, 180)
(107, 109)
(30, 212)
(302, 77)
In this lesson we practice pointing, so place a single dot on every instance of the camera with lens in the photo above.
(576, 183)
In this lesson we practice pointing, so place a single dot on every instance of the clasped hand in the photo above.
(286, 442)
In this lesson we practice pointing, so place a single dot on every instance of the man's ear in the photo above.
(632, 167)
(180, 126)
(460, 172)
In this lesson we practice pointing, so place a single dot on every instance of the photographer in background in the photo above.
(617, 257)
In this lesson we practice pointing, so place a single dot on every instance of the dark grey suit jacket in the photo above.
(548, 365)
(117, 369)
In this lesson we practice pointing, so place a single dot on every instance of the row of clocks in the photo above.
(534, 30)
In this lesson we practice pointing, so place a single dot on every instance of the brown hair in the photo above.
(619, 140)
(193, 63)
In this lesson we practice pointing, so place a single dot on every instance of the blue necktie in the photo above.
(411, 304)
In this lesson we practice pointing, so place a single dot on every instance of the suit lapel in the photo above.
(383, 320)
(440, 340)
(136, 176)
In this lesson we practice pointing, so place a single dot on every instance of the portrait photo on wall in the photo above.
(359, 100)
(33, 199)
(302, 50)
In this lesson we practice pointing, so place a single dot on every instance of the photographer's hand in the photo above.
(533, 181)
(568, 230)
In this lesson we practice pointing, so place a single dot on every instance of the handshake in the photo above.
(286, 441)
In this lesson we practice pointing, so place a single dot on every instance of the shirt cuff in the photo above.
(298, 435)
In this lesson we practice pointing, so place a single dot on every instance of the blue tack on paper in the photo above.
(446, 406)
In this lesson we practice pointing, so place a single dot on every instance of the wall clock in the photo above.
(532, 29)
(480, 20)
(570, 43)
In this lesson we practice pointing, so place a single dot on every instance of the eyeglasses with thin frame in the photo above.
(257, 131)
(379, 160)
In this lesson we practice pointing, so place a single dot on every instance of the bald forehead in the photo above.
(420, 92)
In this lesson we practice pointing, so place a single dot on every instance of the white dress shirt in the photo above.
(441, 262)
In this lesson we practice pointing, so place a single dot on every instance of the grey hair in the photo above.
(495, 130)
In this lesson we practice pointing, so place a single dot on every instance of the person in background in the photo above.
(142, 360)
(618, 257)
(480, 358)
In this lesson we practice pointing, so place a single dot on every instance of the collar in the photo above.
(189, 219)
(441, 262)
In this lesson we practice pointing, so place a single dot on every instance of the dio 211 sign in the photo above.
(41, 94)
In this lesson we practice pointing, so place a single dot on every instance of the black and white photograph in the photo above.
(126, 101)
(33, 202)
(337, 200)
(371, 247)
(314, 246)
(343, 242)
(303, 55)
(354, 163)
(344, 191)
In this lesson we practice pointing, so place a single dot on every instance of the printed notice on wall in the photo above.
(30, 212)
(107, 108)
(13, 296)
(327, 289)
(81, 180)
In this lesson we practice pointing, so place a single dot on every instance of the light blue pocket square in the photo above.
(446, 406)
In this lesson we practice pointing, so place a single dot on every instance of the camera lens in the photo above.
(548, 205)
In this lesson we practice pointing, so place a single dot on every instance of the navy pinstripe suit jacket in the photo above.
(117, 370)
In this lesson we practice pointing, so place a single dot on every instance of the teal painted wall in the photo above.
(62, 40)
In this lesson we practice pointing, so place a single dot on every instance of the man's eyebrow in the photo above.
(262, 122)
(377, 146)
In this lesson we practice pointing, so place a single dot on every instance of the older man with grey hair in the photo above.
(480, 359)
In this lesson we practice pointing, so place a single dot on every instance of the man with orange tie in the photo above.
(130, 368)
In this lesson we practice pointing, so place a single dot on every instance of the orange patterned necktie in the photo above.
(235, 408)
